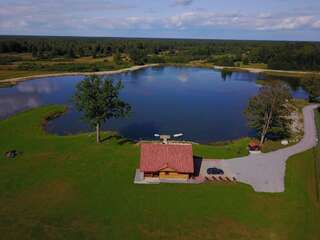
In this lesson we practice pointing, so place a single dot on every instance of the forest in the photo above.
(124, 51)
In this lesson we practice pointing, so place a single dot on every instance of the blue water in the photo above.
(203, 104)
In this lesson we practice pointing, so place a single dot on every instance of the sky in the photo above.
(209, 19)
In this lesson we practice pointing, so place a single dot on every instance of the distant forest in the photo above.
(276, 55)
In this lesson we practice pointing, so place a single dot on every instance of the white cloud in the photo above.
(183, 2)
(44, 86)
(206, 19)
(262, 21)
(289, 23)
(10, 104)
(123, 23)
(46, 17)
(183, 77)
(316, 24)
(264, 15)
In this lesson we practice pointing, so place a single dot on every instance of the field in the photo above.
(72, 188)
(24, 65)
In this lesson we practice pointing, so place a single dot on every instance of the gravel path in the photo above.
(265, 172)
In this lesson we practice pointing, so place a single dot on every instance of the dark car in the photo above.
(215, 171)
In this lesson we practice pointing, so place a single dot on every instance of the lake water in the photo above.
(203, 104)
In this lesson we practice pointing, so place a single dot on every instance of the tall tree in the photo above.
(269, 111)
(312, 85)
(138, 56)
(99, 101)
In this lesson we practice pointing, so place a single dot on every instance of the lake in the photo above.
(203, 104)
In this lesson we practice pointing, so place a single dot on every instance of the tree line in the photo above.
(277, 55)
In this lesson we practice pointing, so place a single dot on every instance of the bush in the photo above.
(30, 66)
(224, 60)
(71, 67)
(7, 60)
(155, 59)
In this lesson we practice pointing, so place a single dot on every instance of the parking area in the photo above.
(220, 171)
(265, 172)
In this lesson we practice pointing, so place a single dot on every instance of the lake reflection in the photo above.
(206, 105)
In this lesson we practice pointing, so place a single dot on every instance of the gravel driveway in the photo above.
(265, 172)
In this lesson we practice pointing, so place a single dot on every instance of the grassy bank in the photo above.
(8, 74)
(71, 188)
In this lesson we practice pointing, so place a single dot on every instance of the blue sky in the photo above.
(218, 19)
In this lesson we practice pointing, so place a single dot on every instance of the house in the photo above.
(166, 162)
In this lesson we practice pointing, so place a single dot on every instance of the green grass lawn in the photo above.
(270, 146)
(27, 66)
(72, 188)
(223, 150)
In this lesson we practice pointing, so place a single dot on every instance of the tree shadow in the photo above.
(111, 137)
(126, 141)
(120, 140)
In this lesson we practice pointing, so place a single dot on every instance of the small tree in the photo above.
(269, 111)
(117, 58)
(71, 53)
(311, 84)
(99, 100)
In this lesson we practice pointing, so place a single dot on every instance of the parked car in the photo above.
(215, 171)
(254, 146)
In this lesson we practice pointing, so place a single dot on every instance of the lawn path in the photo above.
(266, 172)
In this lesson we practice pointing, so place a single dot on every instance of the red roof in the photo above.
(155, 157)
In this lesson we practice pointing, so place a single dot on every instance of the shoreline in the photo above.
(22, 79)
(16, 80)
(261, 70)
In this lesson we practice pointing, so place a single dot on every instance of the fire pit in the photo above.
(11, 154)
